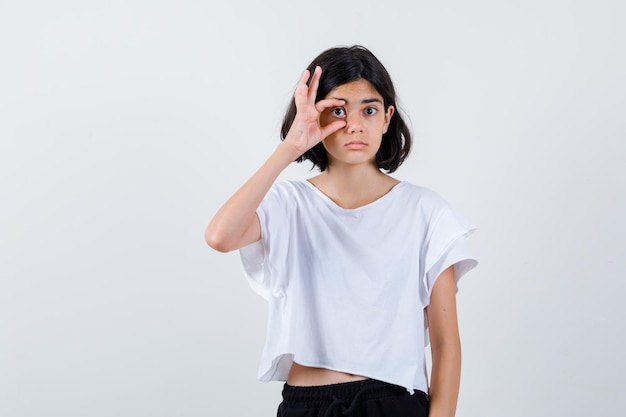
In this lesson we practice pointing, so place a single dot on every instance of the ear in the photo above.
(388, 115)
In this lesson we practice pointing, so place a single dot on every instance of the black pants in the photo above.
(367, 398)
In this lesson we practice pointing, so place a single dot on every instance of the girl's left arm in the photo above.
(445, 346)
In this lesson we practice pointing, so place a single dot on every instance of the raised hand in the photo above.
(236, 223)
(306, 130)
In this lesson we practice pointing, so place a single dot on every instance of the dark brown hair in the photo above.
(342, 65)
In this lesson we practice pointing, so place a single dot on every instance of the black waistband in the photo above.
(325, 394)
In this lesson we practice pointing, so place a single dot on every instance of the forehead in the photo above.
(358, 89)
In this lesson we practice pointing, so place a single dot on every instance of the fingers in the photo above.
(305, 77)
(305, 95)
(308, 93)
(322, 105)
(315, 82)
(331, 128)
(306, 130)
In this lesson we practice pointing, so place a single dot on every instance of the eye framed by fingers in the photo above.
(338, 112)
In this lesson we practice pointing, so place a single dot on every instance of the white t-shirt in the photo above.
(347, 288)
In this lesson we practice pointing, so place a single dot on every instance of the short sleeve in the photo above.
(253, 264)
(447, 245)
(273, 218)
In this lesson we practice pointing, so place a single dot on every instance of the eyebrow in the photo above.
(364, 101)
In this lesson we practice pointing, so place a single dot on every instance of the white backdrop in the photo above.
(125, 124)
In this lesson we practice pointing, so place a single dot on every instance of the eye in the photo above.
(370, 111)
(338, 112)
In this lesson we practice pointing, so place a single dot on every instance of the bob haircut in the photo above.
(342, 65)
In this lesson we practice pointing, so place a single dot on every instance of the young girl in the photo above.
(359, 269)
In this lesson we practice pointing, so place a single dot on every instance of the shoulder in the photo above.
(421, 202)
(287, 188)
(285, 193)
(438, 215)
(288, 199)
(424, 196)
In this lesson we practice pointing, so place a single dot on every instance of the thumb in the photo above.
(331, 128)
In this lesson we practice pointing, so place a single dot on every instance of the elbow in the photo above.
(217, 241)
(224, 238)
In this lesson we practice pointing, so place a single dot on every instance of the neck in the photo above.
(352, 179)
(353, 186)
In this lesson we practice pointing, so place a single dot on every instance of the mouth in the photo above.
(355, 144)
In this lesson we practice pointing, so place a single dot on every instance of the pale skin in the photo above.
(350, 121)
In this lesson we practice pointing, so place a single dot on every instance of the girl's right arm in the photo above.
(236, 224)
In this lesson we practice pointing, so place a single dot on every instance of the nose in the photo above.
(354, 123)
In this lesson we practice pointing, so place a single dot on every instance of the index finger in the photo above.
(322, 105)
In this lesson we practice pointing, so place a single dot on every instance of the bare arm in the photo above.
(236, 224)
(445, 346)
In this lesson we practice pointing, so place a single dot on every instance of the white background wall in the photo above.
(125, 124)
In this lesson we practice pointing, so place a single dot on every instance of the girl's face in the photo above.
(366, 121)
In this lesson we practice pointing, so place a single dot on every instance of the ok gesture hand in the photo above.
(306, 130)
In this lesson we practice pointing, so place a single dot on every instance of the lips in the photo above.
(356, 144)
